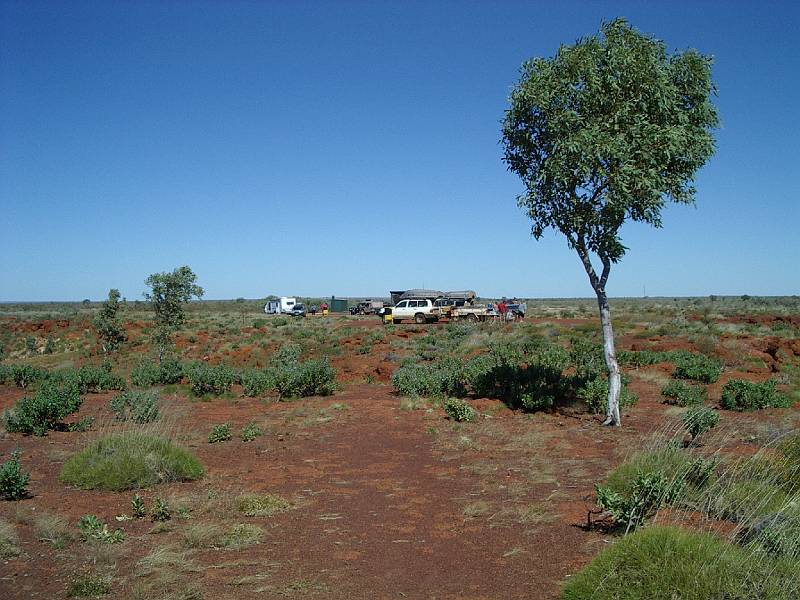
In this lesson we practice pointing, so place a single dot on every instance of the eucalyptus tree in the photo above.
(108, 324)
(608, 130)
(168, 294)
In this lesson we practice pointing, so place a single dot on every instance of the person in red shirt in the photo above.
(501, 308)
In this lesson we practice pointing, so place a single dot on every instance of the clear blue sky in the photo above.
(349, 148)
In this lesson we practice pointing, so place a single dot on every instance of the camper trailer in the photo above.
(283, 305)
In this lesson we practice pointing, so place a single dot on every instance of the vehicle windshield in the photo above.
(299, 307)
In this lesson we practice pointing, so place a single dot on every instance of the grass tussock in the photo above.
(9, 541)
(129, 461)
(261, 505)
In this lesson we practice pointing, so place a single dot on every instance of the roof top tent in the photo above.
(432, 294)
(467, 295)
(395, 296)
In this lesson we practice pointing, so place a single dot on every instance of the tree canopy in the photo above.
(607, 130)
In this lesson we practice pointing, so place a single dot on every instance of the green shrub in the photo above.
(41, 412)
(92, 528)
(138, 406)
(147, 374)
(649, 492)
(644, 358)
(161, 511)
(13, 482)
(697, 367)
(699, 419)
(207, 379)
(24, 375)
(89, 586)
(220, 433)
(459, 410)
(595, 394)
(83, 424)
(683, 394)
(137, 507)
(94, 378)
(741, 395)
(666, 563)
(251, 431)
(417, 380)
(128, 461)
(311, 378)
(257, 382)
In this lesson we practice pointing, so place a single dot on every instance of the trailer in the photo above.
(283, 305)
(471, 313)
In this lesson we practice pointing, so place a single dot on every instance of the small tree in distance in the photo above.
(168, 293)
(107, 322)
(608, 130)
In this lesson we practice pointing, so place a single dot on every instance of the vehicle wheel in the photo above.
(396, 321)
(473, 317)
(419, 319)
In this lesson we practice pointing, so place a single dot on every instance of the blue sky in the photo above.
(349, 148)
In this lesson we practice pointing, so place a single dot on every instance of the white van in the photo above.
(282, 306)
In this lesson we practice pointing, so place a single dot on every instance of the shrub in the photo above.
(128, 461)
(261, 505)
(682, 394)
(459, 410)
(92, 528)
(595, 394)
(161, 511)
(89, 586)
(649, 492)
(697, 367)
(107, 323)
(663, 562)
(311, 378)
(147, 374)
(24, 375)
(137, 405)
(699, 419)
(83, 424)
(41, 412)
(13, 482)
(251, 431)
(137, 507)
(243, 535)
(220, 433)
(257, 382)
(207, 379)
(741, 395)
(417, 380)
(94, 378)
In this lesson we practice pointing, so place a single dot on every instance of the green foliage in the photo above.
(108, 324)
(23, 375)
(49, 345)
(257, 382)
(92, 528)
(168, 370)
(649, 492)
(161, 511)
(587, 358)
(30, 344)
(459, 410)
(667, 562)
(595, 394)
(697, 367)
(168, 293)
(683, 394)
(741, 395)
(310, 378)
(90, 378)
(136, 405)
(206, 379)
(137, 507)
(83, 424)
(220, 433)
(13, 482)
(251, 431)
(644, 358)
(129, 461)
(43, 411)
(699, 419)
(589, 163)
(440, 378)
(89, 586)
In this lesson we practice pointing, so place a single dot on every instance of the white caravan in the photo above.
(281, 306)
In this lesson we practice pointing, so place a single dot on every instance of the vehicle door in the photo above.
(402, 310)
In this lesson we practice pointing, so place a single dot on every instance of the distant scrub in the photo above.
(128, 461)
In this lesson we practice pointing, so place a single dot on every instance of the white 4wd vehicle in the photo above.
(421, 310)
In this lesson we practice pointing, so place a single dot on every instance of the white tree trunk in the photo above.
(614, 378)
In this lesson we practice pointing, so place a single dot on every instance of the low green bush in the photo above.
(99, 378)
(595, 394)
(92, 528)
(23, 375)
(44, 410)
(310, 378)
(257, 382)
(741, 395)
(683, 394)
(666, 563)
(161, 511)
(697, 367)
(138, 406)
(13, 481)
(129, 461)
(207, 379)
(649, 492)
(251, 431)
(220, 433)
(644, 358)
(147, 374)
(459, 410)
(699, 419)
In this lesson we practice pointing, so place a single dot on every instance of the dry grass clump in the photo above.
(261, 505)
(9, 540)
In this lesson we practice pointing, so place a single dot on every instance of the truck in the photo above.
(282, 306)
(366, 307)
